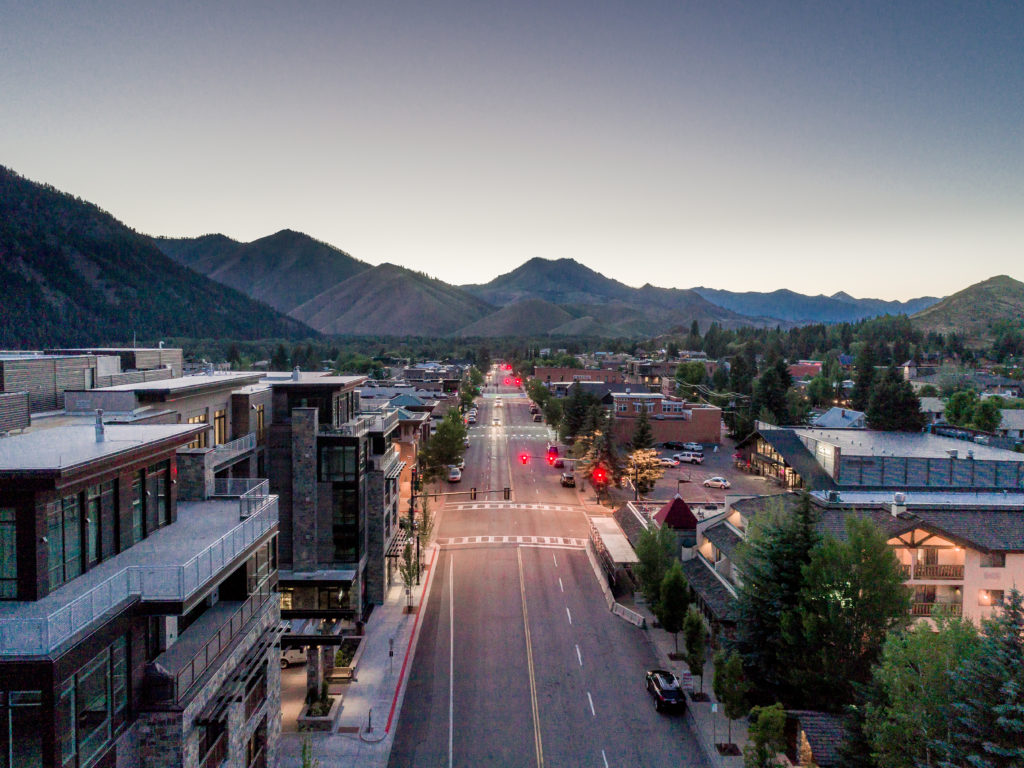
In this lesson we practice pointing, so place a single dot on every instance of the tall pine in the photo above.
(768, 604)
(642, 435)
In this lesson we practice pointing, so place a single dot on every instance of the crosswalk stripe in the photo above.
(552, 541)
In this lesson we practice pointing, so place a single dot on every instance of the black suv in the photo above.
(673, 444)
(665, 690)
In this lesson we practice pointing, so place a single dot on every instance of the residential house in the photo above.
(934, 409)
(841, 418)
(138, 617)
(1011, 423)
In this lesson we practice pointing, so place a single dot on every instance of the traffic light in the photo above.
(508, 381)
(600, 476)
(508, 493)
(524, 457)
(519, 382)
(551, 458)
(472, 494)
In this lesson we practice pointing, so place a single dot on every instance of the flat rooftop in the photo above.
(906, 444)
(185, 383)
(68, 446)
(310, 378)
(35, 356)
(931, 499)
(614, 539)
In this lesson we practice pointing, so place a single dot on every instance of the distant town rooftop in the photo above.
(64, 447)
(185, 383)
(930, 499)
(307, 378)
(907, 444)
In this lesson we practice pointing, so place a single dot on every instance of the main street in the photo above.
(519, 662)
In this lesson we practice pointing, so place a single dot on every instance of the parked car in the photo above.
(454, 474)
(689, 457)
(568, 480)
(717, 482)
(665, 689)
(558, 463)
(496, 422)
(552, 450)
(538, 417)
(668, 462)
(673, 445)
(471, 419)
(291, 656)
(693, 447)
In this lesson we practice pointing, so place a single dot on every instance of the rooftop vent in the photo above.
(899, 504)
(101, 434)
(296, 373)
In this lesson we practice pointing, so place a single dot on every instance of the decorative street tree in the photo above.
(674, 602)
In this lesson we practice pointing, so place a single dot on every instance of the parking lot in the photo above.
(687, 479)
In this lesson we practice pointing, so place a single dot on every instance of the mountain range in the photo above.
(74, 274)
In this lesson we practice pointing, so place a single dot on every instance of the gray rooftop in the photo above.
(184, 383)
(310, 378)
(932, 499)
(905, 444)
(68, 446)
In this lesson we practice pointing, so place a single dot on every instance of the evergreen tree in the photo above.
(279, 360)
(772, 559)
(740, 375)
(864, 377)
(770, 390)
(655, 551)
(986, 729)
(642, 435)
(696, 648)
(893, 405)
(853, 595)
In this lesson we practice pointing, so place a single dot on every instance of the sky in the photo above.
(871, 147)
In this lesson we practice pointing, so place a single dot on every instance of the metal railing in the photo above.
(388, 459)
(255, 697)
(235, 486)
(200, 662)
(39, 635)
(250, 502)
(382, 422)
(235, 448)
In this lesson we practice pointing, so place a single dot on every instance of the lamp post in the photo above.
(412, 521)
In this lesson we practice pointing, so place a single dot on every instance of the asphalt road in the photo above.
(519, 662)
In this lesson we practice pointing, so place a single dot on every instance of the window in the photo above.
(109, 520)
(138, 508)
(72, 512)
(8, 554)
(157, 507)
(220, 427)
(261, 424)
(92, 525)
(345, 524)
(92, 699)
(21, 744)
(990, 597)
(200, 441)
(55, 546)
(339, 463)
(993, 559)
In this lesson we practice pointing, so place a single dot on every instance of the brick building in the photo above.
(671, 418)
(569, 375)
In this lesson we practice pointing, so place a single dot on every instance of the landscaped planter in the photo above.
(351, 650)
(309, 722)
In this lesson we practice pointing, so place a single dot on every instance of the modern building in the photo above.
(671, 418)
(138, 616)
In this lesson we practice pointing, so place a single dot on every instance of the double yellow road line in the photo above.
(529, 665)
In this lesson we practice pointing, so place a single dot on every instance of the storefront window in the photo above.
(20, 733)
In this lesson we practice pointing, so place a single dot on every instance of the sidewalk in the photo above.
(709, 728)
(373, 700)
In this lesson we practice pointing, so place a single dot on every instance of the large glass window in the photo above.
(67, 744)
(92, 721)
(55, 546)
(345, 523)
(200, 441)
(261, 423)
(8, 554)
(108, 519)
(138, 508)
(339, 463)
(21, 744)
(72, 510)
(92, 525)
(220, 427)
(157, 509)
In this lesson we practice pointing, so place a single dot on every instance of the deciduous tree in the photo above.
(696, 647)
(655, 551)
(674, 601)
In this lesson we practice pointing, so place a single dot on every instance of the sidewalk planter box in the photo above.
(351, 649)
(307, 722)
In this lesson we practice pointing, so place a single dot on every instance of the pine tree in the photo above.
(674, 601)
(655, 550)
(893, 405)
(986, 729)
(642, 435)
(864, 378)
(772, 559)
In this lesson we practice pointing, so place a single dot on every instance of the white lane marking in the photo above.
(451, 656)
(591, 700)
(560, 584)
(568, 614)
(555, 559)
(579, 655)
(604, 757)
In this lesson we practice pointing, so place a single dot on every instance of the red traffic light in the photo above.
(507, 381)
(551, 458)
(523, 457)
(519, 382)
(600, 476)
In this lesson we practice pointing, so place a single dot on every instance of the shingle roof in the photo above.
(1013, 418)
(840, 418)
(725, 538)
(711, 590)
(629, 524)
(825, 734)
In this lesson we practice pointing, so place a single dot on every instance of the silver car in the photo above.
(716, 482)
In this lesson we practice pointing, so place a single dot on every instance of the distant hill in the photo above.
(73, 274)
(973, 311)
(284, 270)
(527, 317)
(559, 281)
(791, 307)
(392, 300)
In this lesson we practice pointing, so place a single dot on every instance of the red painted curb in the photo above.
(412, 636)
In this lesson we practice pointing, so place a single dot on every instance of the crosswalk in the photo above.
(513, 505)
(563, 542)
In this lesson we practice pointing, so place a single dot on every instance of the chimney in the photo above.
(899, 504)
(100, 432)
(295, 373)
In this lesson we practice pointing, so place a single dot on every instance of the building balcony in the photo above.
(950, 572)
(936, 609)
(383, 422)
(183, 664)
(251, 492)
(169, 566)
(228, 452)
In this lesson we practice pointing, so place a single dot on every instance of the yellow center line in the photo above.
(529, 666)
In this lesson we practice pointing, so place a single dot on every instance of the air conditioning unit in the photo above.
(833, 496)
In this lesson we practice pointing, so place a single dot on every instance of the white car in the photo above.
(496, 422)
(292, 656)
(693, 447)
(471, 419)
(716, 482)
(668, 462)
(689, 457)
(454, 474)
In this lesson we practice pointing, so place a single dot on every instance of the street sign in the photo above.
(686, 680)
